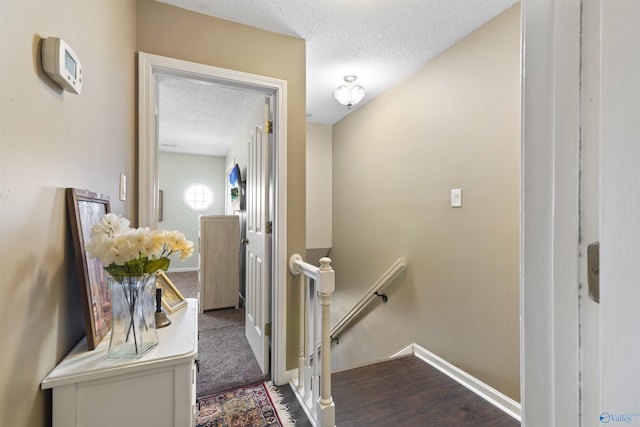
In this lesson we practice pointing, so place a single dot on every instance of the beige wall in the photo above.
(169, 31)
(454, 124)
(50, 140)
(319, 203)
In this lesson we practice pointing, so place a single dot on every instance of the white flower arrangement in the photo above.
(129, 251)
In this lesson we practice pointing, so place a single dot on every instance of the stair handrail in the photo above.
(371, 293)
(313, 385)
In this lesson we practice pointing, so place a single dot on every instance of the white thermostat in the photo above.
(62, 64)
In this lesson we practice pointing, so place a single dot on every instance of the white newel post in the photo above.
(326, 407)
(314, 376)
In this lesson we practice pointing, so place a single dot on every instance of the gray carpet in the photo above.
(226, 360)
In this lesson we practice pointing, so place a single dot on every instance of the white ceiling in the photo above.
(200, 117)
(380, 41)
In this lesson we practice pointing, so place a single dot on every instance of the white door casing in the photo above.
(589, 212)
(149, 66)
(257, 313)
(549, 283)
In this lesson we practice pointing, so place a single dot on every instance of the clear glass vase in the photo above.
(133, 329)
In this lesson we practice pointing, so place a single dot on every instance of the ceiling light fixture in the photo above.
(349, 95)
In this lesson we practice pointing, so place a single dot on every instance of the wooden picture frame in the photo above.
(172, 299)
(85, 210)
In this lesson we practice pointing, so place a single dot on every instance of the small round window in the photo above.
(198, 197)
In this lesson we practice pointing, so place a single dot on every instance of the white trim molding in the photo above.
(485, 391)
(550, 216)
(149, 66)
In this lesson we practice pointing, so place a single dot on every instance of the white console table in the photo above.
(156, 390)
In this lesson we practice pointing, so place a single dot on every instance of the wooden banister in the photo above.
(371, 293)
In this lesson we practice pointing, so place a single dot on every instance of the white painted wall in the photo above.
(319, 186)
(176, 173)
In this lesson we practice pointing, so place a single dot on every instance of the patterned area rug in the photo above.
(249, 406)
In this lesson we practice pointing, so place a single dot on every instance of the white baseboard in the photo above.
(289, 375)
(305, 404)
(488, 393)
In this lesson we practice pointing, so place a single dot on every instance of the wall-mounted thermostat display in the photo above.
(62, 64)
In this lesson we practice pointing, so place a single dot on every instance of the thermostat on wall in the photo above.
(62, 64)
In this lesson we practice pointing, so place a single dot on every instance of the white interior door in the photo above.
(257, 245)
(620, 214)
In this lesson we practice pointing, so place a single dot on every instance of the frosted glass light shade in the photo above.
(349, 96)
(342, 95)
(357, 93)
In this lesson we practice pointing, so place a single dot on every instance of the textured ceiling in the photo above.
(380, 41)
(200, 117)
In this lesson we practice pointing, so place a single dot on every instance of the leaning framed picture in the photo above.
(85, 210)
(172, 299)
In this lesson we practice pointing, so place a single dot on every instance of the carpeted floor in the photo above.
(226, 360)
(256, 405)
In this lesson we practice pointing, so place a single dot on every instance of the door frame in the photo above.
(148, 66)
(550, 214)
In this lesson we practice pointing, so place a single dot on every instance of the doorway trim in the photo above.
(149, 66)
(550, 214)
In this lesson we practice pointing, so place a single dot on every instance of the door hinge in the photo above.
(269, 126)
(267, 329)
(268, 226)
(593, 273)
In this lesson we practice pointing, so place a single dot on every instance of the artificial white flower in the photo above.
(135, 252)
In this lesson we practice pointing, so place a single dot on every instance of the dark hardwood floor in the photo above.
(409, 392)
(403, 392)
(289, 399)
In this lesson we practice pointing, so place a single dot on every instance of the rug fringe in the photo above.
(286, 418)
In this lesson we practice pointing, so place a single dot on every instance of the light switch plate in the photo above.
(456, 198)
(123, 187)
